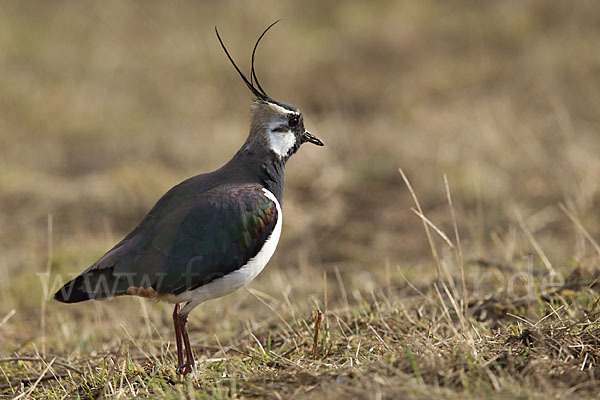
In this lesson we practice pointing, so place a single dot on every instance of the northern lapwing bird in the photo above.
(212, 233)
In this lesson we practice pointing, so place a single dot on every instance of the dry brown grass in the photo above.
(103, 107)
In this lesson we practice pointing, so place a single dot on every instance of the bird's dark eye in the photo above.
(294, 120)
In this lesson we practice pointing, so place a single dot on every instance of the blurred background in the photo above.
(106, 105)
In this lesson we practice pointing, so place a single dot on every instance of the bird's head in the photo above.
(277, 125)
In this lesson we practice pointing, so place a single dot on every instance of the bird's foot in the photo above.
(185, 369)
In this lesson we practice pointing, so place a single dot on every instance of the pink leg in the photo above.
(189, 365)
(178, 336)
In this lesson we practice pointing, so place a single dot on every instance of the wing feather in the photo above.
(184, 247)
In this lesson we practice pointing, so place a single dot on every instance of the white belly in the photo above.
(238, 278)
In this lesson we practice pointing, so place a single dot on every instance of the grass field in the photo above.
(489, 109)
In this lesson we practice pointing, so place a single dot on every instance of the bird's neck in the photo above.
(261, 165)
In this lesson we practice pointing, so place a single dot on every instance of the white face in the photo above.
(281, 137)
(280, 141)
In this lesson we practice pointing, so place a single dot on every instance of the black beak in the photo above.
(308, 137)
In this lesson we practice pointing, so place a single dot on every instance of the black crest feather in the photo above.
(257, 89)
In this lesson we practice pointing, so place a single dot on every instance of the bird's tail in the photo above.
(92, 285)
